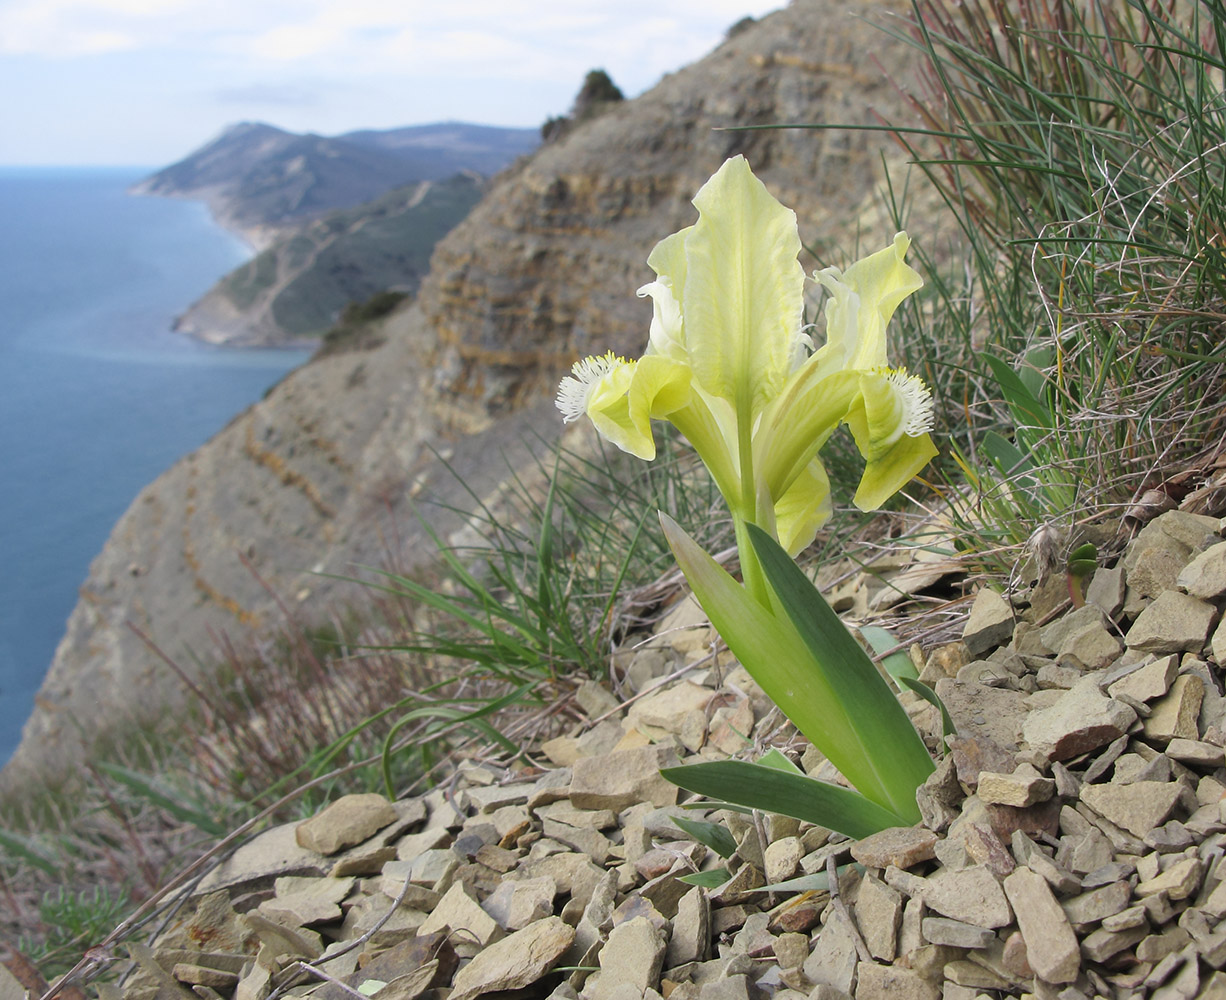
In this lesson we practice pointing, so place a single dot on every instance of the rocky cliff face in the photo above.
(317, 477)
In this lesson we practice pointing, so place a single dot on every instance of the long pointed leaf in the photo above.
(884, 757)
(795, 795)
(768, 647)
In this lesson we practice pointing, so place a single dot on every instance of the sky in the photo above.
(145, 82)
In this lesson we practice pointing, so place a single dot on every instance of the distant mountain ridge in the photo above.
(297, 288)
(335, 219)
(261, 180)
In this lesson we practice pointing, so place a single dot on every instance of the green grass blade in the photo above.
(28, 851)
(930, 696)
(713, 835)
(898, 664)
(707, 880)
(149, 789)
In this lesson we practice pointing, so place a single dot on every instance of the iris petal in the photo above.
(744, 288)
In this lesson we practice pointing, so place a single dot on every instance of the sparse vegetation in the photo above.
(596, 95)
(355, 329)
(1074, 347)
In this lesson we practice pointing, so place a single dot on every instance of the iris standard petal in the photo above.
(863, 300)
(667, 321)
(743, 297)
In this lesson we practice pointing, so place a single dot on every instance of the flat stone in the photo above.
(690, 940)
(300, 902)
(596, 700)
(199, 975)
(1195, 753)
(900, 846)
(990, 623)
(1024, 787)
(955, 933)
(971, 895)
(1098, 904)
(1106, 590)
(1217, 644)
(888, 982)
(632, 955)
(271, 854)
(516, 904)
(460, 912)
(516, 961)
(1093, 648)
(1174, 622)
(593, 843)
(980, 710)
(1137, 807)
(1179, 881)
(434, 868)
(782, 859)
(622, 778)
(1177, 715)
(1162, 549)
(1082, 639)
(1102, 944)
(670, 706)
(572, 873)
(833, 960)
(975, 754)
(1126, 919)
(1051, 945)
(736, 987)
(283, 940)
(1148, 682)
(349, 820)
(1205, 576)
(1083, 719)
(980, 841)
(1156, 947)
(878, 915)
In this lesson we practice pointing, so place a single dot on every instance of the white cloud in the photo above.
(462, 33)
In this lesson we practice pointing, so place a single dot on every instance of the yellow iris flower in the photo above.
(729, 364)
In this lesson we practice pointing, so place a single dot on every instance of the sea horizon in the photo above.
(98, 394)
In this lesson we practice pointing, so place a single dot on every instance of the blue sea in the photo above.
(97, 394)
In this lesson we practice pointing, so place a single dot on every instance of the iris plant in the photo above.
(731, 365)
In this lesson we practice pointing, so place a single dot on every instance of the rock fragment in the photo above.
(971, 895)
(349, 820)
(1137, 807)
(622, 778)
(990, 623)
(632, 956)
(1024, 787)
(1176, 716)
(900, 846)
(1205, 576)
(1083, 719)
(1174, 622)
(1051, 945)
(516, 961)
(878, 915)
(889, 982)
